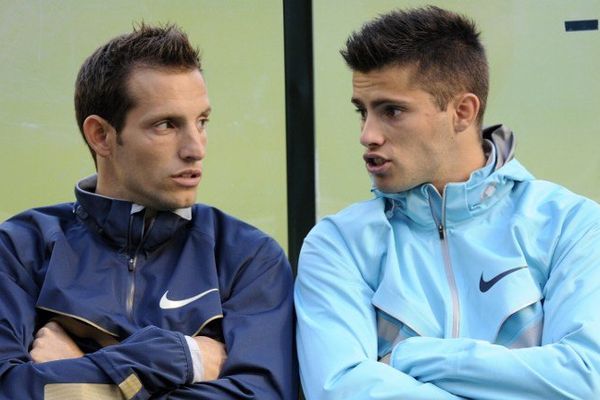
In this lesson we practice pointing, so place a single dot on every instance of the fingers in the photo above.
(213, 355)
(51, 328)
(52, 343)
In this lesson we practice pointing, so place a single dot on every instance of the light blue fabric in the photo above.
(375, 279)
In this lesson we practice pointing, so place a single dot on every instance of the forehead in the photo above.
(391, 82)
(387, 75)
(148, 86)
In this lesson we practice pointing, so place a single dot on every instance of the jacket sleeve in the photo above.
(565, 366)
(258, 328)
(148, 361)
(337, 334)
(153, 362)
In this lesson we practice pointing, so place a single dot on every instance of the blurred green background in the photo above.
(543, 85)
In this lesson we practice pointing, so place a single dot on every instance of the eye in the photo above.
(163, 126)
(393, 111)
(202, 122)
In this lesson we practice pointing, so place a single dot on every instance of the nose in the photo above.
(370, 135)
(192, 145)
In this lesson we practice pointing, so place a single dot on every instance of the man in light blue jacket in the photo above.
(465, 277)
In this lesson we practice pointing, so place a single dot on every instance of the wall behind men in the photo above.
(544, 85)
(43, 45)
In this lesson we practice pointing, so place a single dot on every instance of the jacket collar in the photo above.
(463, 200)
(122, 222)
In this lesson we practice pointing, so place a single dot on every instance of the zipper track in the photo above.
(448, 266)
(132, 262)
(451, 282)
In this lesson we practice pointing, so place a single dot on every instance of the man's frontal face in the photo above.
(407, 138)
(157, 160)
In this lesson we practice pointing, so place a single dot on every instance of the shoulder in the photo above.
(354, 221)
(231, 233)
(537, 199)
(568, 219)
(29, 235)
(43, 221)
(357, 236)
(551, 198)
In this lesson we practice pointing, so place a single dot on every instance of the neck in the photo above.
(105, 185)
(468, 158)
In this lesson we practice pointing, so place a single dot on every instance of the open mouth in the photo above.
(374, 161)
(189, 178)
(188, 175)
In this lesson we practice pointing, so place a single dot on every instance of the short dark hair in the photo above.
(443, 46)
(101, 85)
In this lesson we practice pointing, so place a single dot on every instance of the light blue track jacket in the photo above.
(489, 292)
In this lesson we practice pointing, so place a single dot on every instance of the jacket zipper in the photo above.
(131, 264)
(448, 267)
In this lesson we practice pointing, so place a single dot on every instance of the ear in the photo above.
(97, 132)
(466, 108)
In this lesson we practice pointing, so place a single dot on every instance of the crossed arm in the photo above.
(53, 343)
(337, 338)
(337, 334)
(155, 362)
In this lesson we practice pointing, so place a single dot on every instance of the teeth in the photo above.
(376, 161)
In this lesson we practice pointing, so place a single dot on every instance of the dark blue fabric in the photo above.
(75, 260)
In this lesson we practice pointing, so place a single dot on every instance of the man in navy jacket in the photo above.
(134, 291)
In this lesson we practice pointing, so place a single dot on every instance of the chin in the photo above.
(187, 202)
(392, 189)
(173, 205)
(183, 204)
(387, 190)
(385, 187)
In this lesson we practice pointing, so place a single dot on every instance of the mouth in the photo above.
(191, 174)
(376, 164)
(374, 161)
(188, 178)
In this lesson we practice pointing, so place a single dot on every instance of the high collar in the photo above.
(122, 222)
(462, 200)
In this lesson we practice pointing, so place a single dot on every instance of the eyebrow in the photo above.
(176, 116)
(378, 102)
(356, 102)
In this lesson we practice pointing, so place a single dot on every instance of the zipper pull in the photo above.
(131, 264)
(441, 231)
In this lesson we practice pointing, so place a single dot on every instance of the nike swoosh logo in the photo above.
(484, 286)
(168, 304)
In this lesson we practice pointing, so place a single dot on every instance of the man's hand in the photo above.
(53, 343)
(213, 356)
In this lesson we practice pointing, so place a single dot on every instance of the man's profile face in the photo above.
(157, 158)
(407, 138)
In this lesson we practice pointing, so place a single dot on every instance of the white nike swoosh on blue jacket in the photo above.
(167, 304)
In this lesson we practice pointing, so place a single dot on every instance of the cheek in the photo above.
(149, 154)
(143, 168)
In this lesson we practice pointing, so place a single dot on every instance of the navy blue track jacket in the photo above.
(128, 297)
